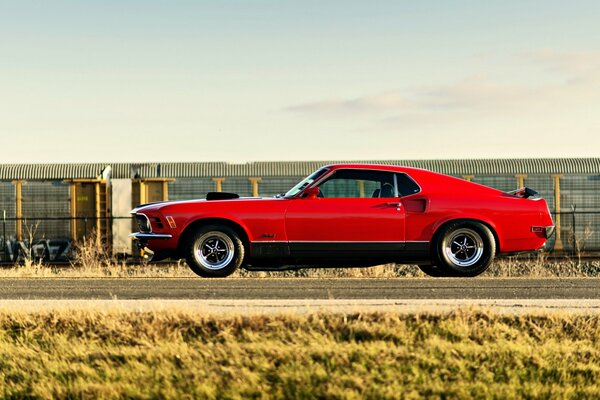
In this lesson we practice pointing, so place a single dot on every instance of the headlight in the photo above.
(143, 223)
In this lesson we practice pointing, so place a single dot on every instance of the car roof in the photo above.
(375, 167)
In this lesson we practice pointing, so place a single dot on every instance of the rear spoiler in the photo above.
(523, 192)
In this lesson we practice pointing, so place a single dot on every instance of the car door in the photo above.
(358, 212)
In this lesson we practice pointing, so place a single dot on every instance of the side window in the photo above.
(406, 186)
(356, 183)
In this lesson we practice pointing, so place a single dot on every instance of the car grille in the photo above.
(143, 223)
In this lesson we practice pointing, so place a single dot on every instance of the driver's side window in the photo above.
(356, 183)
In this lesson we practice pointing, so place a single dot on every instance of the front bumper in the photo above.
(144, 237)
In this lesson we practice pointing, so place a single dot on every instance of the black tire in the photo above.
(464, 249)
(214, 251)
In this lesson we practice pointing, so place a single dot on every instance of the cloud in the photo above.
(372, 103)
(475, 92)
(586, 63)
(577, 82)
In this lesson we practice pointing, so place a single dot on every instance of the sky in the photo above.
(240, 81)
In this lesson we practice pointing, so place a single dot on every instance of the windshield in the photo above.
(303, 184)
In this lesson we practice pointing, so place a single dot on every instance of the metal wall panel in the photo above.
(580, 184)
(297, 168)
(190, 188)
(271, 185)
(8, 203)
(504, 183)
(581, 192)
(239, 185)
(580, 231)
(42, 200)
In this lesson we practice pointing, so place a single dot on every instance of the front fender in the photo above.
(216, 217)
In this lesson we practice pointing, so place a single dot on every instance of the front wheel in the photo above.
(214, 251)
(464, 248)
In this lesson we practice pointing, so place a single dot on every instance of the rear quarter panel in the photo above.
(449, 199)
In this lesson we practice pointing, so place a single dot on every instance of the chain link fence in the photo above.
(579, 234)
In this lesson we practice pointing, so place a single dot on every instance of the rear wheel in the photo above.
(464, 248)
(214, 251)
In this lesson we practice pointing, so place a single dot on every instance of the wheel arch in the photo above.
(191, 227)
(439, 228)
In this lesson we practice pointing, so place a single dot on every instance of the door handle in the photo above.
(396, 204)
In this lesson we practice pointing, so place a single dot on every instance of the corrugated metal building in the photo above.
(70, 201)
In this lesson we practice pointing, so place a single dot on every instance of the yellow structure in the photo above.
(520, 180)
(89, 200)
(19, 208)
(558, 244)
(218, 184)
(149, 190)
(254, 181)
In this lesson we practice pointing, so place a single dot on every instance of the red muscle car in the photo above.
(350, 215)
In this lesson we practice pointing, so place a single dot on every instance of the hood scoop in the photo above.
(221, 196)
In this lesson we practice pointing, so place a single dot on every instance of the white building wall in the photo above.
(121, 206)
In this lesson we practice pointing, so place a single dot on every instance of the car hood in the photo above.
(159, 204)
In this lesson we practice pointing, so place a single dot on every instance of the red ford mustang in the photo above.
(350, 215)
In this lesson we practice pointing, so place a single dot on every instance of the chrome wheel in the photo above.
(464, 247)
(214, 250)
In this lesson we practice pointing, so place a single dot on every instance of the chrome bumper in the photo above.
(150, 236)
(549, 231)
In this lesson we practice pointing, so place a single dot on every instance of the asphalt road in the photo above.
(296, 288)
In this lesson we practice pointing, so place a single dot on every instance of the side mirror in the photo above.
(311, 193)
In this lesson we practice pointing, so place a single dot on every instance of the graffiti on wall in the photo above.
(48, 250)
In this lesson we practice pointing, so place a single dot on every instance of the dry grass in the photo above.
(466, 354)
(544, 266)
(115, 269)
(539, 266)
(533, 267)
(92, 259)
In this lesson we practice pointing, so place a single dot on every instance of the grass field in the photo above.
(94, 354)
